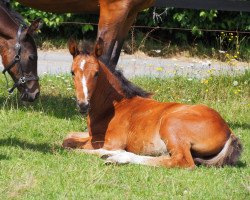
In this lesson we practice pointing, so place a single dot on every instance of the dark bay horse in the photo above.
(126, 126)
(19, 53)
(116, 18)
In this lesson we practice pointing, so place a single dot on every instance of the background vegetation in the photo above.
(34, 166)
(168, 41)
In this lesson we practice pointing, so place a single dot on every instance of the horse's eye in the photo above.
(32, 57)
(96, 74)
(72, 73)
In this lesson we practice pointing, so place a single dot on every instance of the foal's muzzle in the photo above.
(83, 107)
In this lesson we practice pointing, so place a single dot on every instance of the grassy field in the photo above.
(34, 166)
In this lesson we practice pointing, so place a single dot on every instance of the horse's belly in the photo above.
(63, 6)
(153, 146)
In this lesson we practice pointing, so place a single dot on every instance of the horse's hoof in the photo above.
(109, 162)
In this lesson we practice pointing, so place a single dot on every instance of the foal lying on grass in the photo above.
(127, 126)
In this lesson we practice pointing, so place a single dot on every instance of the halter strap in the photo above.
(17, 57)
(22, 81)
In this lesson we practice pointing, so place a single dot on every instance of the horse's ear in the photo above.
(73, 47)
(35, 26)
(99, 47)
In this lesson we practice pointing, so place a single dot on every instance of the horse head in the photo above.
(85, 71)
(19, 57)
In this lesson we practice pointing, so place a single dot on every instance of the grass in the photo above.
(34, 166)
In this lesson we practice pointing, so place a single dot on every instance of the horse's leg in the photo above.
(179, 149)
(104, 153)
(77, 135)
(113, 15)
(77, 140)
(121, 37)
(181, 158)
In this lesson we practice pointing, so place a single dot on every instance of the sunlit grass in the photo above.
(34, 166)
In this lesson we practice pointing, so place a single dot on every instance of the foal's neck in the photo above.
(108, 92)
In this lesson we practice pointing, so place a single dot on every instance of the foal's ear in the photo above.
(35, 26)
(99, 47)
(73, 47)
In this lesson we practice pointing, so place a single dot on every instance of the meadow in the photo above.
(34, 166)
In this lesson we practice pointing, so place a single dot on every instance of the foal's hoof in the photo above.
(110, 163)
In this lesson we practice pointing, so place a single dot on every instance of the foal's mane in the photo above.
(129, 89)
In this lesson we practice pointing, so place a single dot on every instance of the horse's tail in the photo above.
(229, 155)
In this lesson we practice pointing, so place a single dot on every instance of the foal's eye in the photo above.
(72, 73)
(96, 74)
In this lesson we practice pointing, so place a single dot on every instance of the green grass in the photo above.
(34, 166)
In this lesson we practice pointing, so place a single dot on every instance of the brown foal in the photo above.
(126, 126)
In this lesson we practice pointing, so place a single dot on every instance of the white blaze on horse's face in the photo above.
(82, 64)
(84, 82)
(85, 70)
(85, 89)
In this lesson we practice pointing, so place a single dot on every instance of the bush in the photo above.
(196, 20)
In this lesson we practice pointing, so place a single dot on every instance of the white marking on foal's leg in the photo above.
(128, 157)
(85, 89)
(82, 64)
(100, 152)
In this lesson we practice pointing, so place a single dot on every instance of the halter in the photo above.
(16, 61)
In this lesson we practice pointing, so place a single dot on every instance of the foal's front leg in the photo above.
(77, 135)
(76, 140)
(82, 140)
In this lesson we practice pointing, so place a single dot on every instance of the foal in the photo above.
(127, 126)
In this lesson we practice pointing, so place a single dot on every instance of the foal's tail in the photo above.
(229, 155)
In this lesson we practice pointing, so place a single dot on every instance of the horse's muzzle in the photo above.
(30, 97)
(83, 107)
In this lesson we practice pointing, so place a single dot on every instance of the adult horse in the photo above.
(126, 126)
(116, 18)
(19, 53)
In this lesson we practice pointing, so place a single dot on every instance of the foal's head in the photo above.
(85, 71)
(19, 57)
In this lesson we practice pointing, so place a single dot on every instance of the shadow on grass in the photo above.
(39, 147)
(239, 125)
(4, 157)
(241, 164)
(57, 106)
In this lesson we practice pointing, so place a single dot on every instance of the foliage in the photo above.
(34, 166)
(196, 20)
(181, 18)
(54, 23)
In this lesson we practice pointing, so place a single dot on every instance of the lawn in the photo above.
(34, 166)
